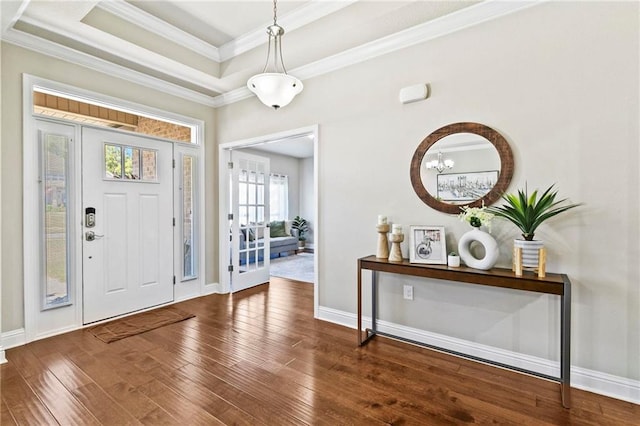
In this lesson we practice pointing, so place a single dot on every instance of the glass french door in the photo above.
(250, 224)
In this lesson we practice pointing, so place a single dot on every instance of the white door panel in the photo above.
(129, 264)
(250, 233)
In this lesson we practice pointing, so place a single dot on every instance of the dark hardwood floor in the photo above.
(259, 358)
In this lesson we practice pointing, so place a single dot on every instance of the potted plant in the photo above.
(453, 260)
(528, 212)
(302, 226)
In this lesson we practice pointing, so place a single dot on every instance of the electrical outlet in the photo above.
(408, 292)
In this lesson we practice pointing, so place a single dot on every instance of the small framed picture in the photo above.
(427, 245)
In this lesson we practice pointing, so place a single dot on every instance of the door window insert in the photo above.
(137, 164)
(251, 220)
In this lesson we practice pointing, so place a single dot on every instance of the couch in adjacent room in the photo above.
(283, 240)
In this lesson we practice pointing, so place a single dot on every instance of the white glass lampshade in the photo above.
(275, 89)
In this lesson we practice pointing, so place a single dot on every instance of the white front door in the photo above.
(249, 228)
(127, 185)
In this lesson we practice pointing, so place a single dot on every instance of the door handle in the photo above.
(91, 236)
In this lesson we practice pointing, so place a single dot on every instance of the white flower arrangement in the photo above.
(476, 216)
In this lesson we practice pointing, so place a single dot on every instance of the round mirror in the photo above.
(462, 164)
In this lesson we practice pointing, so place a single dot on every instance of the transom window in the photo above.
(57, 105)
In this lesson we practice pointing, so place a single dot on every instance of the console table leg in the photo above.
(359, 325)
(565, 344)
(374, 300)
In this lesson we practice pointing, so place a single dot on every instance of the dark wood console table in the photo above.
(556, 284)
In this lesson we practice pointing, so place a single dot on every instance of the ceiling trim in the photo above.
(126, 50)
(55, 50)
(464, 18)
(306, 14)
(297, 18)
(139, 17)
(420, 33)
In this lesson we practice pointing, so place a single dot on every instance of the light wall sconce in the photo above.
(415, 93)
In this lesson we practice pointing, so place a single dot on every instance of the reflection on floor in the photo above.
(297, 267)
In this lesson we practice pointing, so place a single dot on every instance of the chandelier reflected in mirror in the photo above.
(439, 164)
(274, 87)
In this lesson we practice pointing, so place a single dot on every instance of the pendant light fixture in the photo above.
(274, 87)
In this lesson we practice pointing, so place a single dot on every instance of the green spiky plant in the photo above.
(301, 225)
(528, 212)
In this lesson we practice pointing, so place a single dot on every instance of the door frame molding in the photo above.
(33, 330)
(224, 150)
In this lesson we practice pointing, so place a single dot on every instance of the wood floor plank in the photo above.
(213, 402)
(258, 357)
(6, 418)
(179, 407)
(139, 405)
(63, 406)
(22, 403)
(105, 409)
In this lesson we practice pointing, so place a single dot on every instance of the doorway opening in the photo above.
(293, 189)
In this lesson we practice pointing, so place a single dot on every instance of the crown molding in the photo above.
(123, 49)
(139, 17)
(456, 21)
(304, 15)
(55, 50)
(420, 33)
(297, 18)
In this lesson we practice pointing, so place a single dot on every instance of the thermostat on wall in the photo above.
(414, 93)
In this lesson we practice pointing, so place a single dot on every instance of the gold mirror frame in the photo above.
(498, 141)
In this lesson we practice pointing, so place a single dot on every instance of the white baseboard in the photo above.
(581, 378)
(211, 288)
(13, 338)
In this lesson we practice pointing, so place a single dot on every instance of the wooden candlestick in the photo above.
(396, 251)
(383, 243)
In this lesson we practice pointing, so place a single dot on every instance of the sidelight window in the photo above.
(55, 195)
(188, 232)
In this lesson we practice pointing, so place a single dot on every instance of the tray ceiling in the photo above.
(206, 50)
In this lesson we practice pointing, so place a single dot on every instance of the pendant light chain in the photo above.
(275, 10)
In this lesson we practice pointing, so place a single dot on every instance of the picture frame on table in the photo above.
(464, 187)
(427, 244)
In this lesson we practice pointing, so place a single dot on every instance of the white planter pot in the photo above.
(490, 245)
(453, 261)
(530, 251)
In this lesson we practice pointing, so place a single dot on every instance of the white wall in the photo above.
(560, 82)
